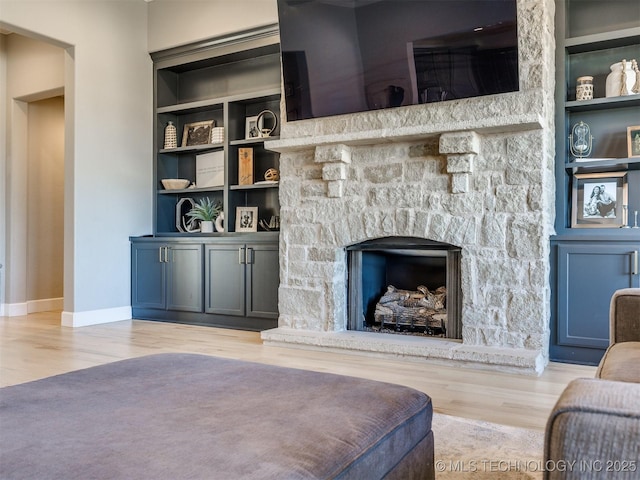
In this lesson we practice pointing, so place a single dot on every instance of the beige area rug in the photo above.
(482, 450)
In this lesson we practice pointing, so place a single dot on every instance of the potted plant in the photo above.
(206, 211)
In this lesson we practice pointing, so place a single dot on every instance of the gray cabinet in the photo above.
(588, 274)
(242, 279)
(167, 276)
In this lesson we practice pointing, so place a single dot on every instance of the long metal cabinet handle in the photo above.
(166, 254)
(248, 257)
(160, 252)
(241, 257)
(634, 262)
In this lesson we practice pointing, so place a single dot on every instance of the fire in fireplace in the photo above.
(405, 285)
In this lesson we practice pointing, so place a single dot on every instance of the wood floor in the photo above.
(36, 346)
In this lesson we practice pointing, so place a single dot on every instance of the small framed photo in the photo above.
(597, 200)
(197, 133)
(246, 219)
(252, 129)
(633, 141)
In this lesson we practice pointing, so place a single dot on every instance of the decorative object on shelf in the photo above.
(246, 219)
(219, 224)
(272, 175)
(175, 183)
(206, 212)
(185, 224)
(267, 123)
(580, 140)
(633, 141)
(273, 225)
(625, 217)
(197, 133)
(584, 88)
(210, 169)
(636, 87)
(598, 199)
(621, 79)
(252, 128)
(170, 136)
(217, 135)
(245, 166)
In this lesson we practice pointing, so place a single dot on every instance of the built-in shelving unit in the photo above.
(590, 263)
(226, 278)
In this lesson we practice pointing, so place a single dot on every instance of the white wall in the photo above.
(3, 162)
(108, 117)
(179, 22)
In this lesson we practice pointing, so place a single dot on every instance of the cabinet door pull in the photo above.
(248, 257)
(241, 257)
(634, 262)
(166, 254)
(161, 254)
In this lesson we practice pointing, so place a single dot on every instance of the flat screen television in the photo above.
(346, 56)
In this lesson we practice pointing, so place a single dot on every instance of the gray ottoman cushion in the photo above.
(175, 416)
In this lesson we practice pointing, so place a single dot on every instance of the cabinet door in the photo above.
(587, 277)
(185, 277)
(225, 279)
(263, 279)
(148, 276)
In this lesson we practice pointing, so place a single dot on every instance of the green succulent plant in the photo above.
(205, 210)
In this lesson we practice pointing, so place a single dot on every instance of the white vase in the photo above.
(206, 226)
(614, 86)
(170, 136)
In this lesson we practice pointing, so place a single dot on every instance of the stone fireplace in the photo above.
(476, 174)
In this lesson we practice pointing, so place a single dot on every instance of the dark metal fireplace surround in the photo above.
(405, 263)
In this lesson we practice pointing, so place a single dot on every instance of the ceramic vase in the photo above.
(615, 86)
(170, 136)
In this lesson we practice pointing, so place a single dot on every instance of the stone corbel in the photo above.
(334, 171)
(461, 149)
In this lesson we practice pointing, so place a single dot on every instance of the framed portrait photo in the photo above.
(597, 200)
(246, 219)
(252, 128)
(633, 141)
(197, 133)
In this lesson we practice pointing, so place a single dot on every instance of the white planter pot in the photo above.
(206, 226)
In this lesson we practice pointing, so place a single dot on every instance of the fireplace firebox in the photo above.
(405, 285)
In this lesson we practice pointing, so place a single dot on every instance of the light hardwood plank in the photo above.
(36, 346)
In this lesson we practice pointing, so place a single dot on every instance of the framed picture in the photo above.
(245, 166)
(246, 219)
(252, 129)
(597, 200)
(633, 141)
(197, 133)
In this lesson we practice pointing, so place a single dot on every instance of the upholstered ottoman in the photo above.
(183, 416)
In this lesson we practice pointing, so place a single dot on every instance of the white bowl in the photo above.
(175, 183)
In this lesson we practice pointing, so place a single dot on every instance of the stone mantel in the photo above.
(409, 133)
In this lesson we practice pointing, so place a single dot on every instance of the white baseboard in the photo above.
(95, 317)
(15, 309)
(45, 305)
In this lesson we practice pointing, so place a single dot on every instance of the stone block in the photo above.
(335, 171)
(333, 153)
(460, 163)
(460, 183)
(459, 142)
(335, 189)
